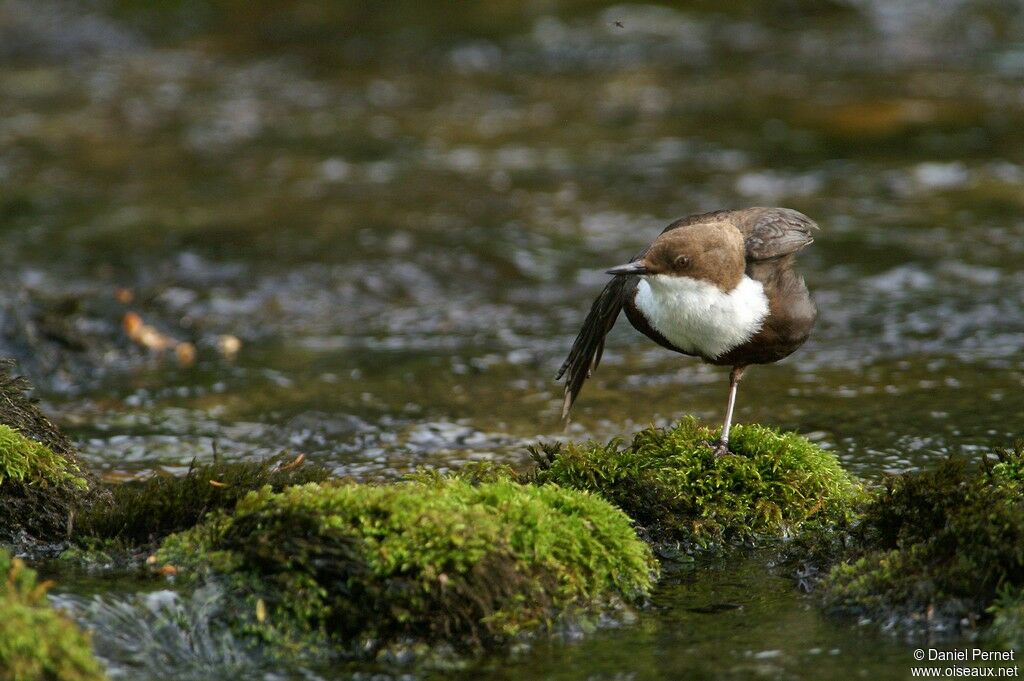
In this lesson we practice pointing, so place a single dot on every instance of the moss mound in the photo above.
(36, 642)
(39, 488)
(42, 484)
(938, 548)
(21, 413)
(366, 566)
(147, 510)
(670, 482)
(26, 461)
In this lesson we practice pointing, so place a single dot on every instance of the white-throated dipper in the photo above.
(719, 286)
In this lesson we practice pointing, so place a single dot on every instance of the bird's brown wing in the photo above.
(775, 232)
(586, 350)
(767, 232)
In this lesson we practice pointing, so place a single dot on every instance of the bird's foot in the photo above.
(720, 448)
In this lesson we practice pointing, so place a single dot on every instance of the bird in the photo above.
(720, 286)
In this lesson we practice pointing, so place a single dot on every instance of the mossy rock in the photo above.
(40, 490)
(26, 461)
(938, 549)
(38, 643)
(672, 484)
(21, 413)
(42, 483)
(439, 561)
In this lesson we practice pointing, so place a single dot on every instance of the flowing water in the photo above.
(403, 211)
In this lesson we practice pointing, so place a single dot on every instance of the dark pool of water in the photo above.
(403, 214)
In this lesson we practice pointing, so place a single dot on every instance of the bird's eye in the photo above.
(681, 262)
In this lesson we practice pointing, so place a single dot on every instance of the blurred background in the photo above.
(369, 231)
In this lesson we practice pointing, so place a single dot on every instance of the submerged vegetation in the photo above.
(146, 510)
(36, 642)
(939, 548)
(672, 484)
(431, 561)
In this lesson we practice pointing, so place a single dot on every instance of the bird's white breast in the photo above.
(698, 317)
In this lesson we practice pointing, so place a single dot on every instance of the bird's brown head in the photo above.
(711, 251)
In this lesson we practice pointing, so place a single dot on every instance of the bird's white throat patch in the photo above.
(698, 317)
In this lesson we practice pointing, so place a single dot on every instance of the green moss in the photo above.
(937, 548)
(21, 413)
(671, 483)
(40, 490)
(26, 461)
(42, 483)
(36, 642)
(473, 472)
(147, 510)
(440, 560)
(1009, 472)
(1007, 628)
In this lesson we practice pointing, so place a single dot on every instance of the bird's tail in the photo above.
(586, 350)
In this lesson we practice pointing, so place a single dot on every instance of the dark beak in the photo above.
(636, 267)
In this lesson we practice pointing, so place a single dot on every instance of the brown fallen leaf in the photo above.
(292, 464)
(144, 334)
(186, 354)
(131, 323)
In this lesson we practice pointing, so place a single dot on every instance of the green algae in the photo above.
(672, 484)
(441, 561)
(938, 548)
(147, 510)
(36, 642)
